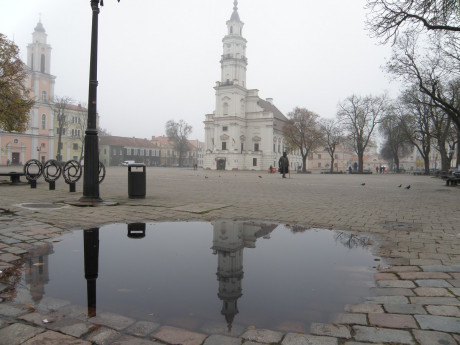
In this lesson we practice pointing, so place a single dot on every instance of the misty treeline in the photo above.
(424, 36)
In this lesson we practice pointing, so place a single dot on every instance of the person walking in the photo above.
(283, 164)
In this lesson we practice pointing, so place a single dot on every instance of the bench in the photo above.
(15, 177)
(451, 180)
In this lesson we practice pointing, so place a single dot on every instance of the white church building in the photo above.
(244, 132)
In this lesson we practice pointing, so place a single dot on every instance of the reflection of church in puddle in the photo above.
(229, 240)
(36, 272)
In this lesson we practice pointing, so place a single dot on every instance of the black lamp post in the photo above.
(91, 170)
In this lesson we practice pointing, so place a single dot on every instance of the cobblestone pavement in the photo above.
(416, 288)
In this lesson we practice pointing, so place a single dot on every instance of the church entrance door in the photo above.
(221, 164)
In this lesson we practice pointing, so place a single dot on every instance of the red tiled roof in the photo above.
(125, 141)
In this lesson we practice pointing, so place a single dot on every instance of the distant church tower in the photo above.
(41, 84)
(244, 132)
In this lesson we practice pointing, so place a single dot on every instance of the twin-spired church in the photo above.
(244, 132)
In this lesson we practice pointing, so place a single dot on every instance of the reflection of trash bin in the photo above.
(136, 180)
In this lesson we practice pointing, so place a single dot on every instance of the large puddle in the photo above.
(189, 274)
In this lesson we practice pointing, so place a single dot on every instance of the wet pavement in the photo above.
(416, 287)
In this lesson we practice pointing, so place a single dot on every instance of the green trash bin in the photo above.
(136, 180)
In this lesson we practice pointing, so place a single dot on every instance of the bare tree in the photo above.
(59, 108)
(81, 125)
(415, 117)
(427, 67)
(302, 131)
(178, 133)
(396, 143)
(333, 136)
(360, 116)
(387, 19)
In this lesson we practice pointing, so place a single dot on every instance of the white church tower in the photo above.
(244, 132)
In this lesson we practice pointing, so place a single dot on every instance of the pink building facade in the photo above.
(38, 141)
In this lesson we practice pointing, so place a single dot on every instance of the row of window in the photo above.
(224, 146)
(73, 133)
(75, 146)
(138, 152)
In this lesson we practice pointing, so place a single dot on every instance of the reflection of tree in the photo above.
(229, 240)
(352, 240)
(299, 228)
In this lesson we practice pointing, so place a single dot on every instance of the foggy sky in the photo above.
(159, 59)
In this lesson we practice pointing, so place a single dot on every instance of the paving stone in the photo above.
(130, 340)
(443, 310)
(112, 320)
(263, 336)
(454, 282)
(404, 309)
(50, 303)
(363, 308)
(8, 257)
(455, 291)
(424, 275)
(306, 339)
(397, 269)
(353, 319)
(387, 300)
(2, 323)
(432, 292)
(433, 283)
(433, 338)
(392, 292)
(392, 320)
(214, 327)
(385, 276)
(435, 300)
(142, 328)
(337, 331)
(439, 323)
(70, 326)
(395, 284)
(54, 338)
(102, 336)
(18, 333)
(456, 337)
(222, 340)
(13, 310)
(441, 268)
(356, 343)
(376, 335)
(173, 335)
(37, 318)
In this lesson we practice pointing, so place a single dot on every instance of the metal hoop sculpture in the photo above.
(33, 169)
(101, 172)
(52, 170)
(72, 171)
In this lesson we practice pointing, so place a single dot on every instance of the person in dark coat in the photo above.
(283, 165)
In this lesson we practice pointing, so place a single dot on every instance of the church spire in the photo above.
(235, 16)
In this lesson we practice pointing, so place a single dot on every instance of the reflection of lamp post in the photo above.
(91, 253)
(91, 171)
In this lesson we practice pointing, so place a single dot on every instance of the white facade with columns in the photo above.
(244, 132)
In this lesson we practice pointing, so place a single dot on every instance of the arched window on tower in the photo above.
(231, 29)
(42, 63)
(32, 62)
(43, 121)
(43, 96)
(225, 108)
